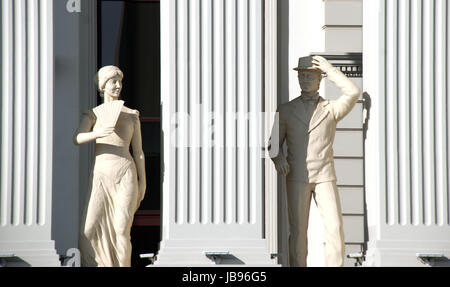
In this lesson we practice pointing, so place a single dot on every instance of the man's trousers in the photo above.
(328, 203)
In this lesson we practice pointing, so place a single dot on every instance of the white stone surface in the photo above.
(354, 119)
(348, 143)
(118, 178)
(312, 118)
(26, 179)
(343, 12)
(332, 92)
(352, 200)
(354, 228)
(211, 192)
(343, 39)
(405, 219)
(349, 171)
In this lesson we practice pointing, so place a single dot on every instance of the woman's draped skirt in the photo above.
(109, 211)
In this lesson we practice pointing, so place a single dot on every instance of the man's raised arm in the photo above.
(350, 91)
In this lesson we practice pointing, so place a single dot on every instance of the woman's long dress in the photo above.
(112, 198)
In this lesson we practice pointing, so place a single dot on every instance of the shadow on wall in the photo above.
(434, 260)
(283, 97)
(367, 104)
(227, 259)
(13, 261)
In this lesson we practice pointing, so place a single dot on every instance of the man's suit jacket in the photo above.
(310, 143)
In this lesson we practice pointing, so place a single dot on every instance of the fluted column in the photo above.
(211, 98)
(406, 64)
(270, 107)
(26, 128)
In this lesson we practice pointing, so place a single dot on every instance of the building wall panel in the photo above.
(26, 126)
(416, 113)
(27, 132)
(343, 12)
(406, 56)
(218, 93)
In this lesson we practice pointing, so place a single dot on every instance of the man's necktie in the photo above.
(310, 103)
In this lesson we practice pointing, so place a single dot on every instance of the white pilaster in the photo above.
(405, 68)
(271, 103)
(213, 168)
(27, 109)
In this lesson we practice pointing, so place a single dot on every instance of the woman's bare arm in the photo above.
(139, 157)
(84, 133)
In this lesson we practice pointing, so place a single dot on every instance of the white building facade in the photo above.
(225, 67)
(406, 75)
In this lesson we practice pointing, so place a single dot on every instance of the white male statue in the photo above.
(308, 125)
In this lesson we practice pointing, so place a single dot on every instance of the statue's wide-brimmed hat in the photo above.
(305, 63)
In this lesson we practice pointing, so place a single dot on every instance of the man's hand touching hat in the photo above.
(321, 63)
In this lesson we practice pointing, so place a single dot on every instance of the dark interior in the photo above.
(129, 38)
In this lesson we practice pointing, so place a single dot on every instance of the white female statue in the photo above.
(117, 182)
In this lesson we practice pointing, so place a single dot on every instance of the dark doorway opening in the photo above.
(129, 38)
